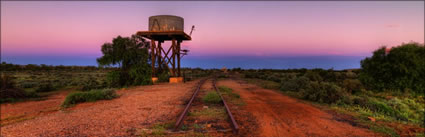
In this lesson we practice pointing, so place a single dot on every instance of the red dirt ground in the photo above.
(265, 113)
(280, 115)
(15, 112)
(136, 108)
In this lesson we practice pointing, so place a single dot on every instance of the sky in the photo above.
(324, 34)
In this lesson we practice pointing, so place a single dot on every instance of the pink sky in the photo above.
(79, 28)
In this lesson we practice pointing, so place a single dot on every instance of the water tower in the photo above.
(166, 28)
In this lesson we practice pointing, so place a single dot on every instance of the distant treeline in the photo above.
(15, 67)
(301, 70)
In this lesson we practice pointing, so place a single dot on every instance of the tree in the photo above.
(132, 57)
(400, 69)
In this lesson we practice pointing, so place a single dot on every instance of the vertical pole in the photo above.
(159, 55)
(153, 57)
(173, 46)
(178, 58)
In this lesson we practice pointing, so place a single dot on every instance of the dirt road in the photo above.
(278, 115)
(136, 108)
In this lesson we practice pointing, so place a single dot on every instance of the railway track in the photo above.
(181, 118)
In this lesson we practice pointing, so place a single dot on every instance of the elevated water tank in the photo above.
(166, 23)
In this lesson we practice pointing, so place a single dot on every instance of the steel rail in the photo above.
(186, 109)
(235, 126)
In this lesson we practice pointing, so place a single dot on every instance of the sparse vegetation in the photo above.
(45, 87)
(213, 112)
(9, 92)
(211, 98)
(264, 83)
(355, 92)
(229, 92)
(195, 73)
(89, 96)
(231, 96)
(35, 82)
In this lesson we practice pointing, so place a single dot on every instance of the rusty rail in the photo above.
(235, 126)
(186, 109)
(189, 104)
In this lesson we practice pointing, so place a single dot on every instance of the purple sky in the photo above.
(278, 28)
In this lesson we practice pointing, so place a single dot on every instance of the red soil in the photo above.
(136, 108)
(15, 112)
(266, 113)
(280, 115)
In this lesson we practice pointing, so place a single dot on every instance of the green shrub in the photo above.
(28, 84)
(313, 76)
(9, 92)
(224, 89)
(6, 82)
(45, 87)
(228, 91)
(323, 92)
(352, 85)
(273, 77)
(90, 85)
(350, 75)
(250, 75)
(379, 106)
(223, 76)
(295, 84)
(360, 100)
(234, 95)
(211, 98)
(90, 96)
(113, 79)
(403, 67)
(140, 74)
(287, 76)
(163, 77)
(408, 109)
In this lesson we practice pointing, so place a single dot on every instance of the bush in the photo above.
(313, 76)
(28, 84)
(211, 98)
(294, 84)
(9, 92)
(394, 109)
(352, 85)
(287, 76)
(323, 92)
(90, 85)
(90, 96)
(228, 91)
(6, 82)
(379, 106)
(403, 67)
(224, 89)
(350, 75)
(273, 77)
(408, 109)
(140, 74)
(163, 77)
(45, 87)
(113, 79)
